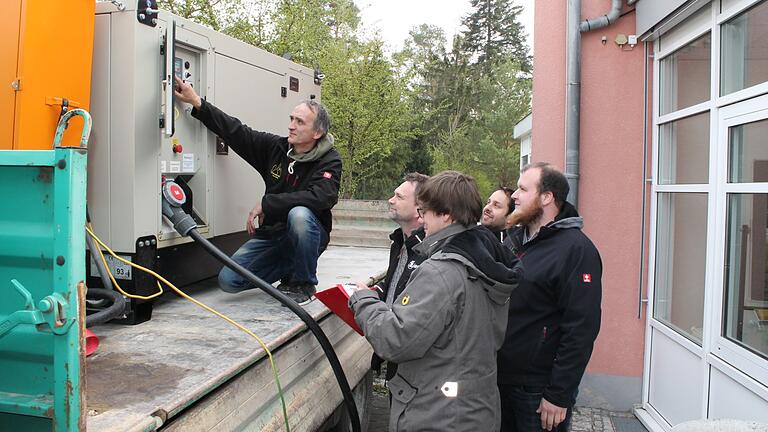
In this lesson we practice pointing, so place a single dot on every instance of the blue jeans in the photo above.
(291, 256)
(518, 409)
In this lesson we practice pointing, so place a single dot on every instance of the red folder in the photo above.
(337, 300)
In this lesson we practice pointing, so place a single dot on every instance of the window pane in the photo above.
(681, 262)
(684, 150)
(744, 50)
(747, 153)
(685, 76)
(746, 272)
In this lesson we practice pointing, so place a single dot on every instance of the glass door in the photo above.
(742, 309)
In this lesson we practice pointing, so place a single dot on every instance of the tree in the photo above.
(494, 33)
(370, 117)
(467, 99)
(246, 20)
(305, 28)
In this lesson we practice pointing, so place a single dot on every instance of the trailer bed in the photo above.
(189, 370)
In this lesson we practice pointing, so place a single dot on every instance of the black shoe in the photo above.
(301, 293)
(285, 287)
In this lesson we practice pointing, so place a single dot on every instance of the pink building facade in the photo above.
(673, 188)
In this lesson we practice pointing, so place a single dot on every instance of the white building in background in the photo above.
(522, 132)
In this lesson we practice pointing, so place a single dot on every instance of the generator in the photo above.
(142, 137)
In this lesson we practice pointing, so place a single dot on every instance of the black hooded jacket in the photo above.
(554, 314)
(414, 259)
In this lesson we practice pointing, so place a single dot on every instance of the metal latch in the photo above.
(51, 310)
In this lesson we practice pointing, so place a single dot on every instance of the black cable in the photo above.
(312, 325)
(116, 310)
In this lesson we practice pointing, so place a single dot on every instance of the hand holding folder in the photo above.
(337, 300)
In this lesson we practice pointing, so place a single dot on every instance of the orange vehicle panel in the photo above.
(9, 47)
(55, 50)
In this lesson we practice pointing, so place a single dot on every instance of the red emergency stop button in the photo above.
(177, 148)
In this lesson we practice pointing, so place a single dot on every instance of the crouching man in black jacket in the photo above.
(554, 315)
(302, 173)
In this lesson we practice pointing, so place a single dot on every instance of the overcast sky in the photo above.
(395, 18)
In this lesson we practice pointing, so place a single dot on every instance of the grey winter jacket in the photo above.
(444, 330)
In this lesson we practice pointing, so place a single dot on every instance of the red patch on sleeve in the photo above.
(327, 174)
(587, 277)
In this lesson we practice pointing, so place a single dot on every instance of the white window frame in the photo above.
(741, 365)
(749, 111)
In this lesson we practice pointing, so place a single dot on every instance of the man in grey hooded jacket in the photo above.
(444, 329)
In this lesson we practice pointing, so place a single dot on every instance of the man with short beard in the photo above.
(496, 211)
(403, 259)
(554, 314)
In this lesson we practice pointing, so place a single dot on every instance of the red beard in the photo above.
(527, 215)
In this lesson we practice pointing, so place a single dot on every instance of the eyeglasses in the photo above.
(421, 212)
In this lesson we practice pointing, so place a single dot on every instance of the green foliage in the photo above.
(494, 34)
(433, 106)
(467, 107)
(370, 115)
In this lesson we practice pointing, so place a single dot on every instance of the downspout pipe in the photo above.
(573, 90)
(602, 21)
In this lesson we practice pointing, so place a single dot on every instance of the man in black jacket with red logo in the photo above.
(302, 173)
(554, 314)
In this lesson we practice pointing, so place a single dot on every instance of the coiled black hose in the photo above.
(115, 310)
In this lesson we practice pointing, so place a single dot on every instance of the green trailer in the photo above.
(42, 244)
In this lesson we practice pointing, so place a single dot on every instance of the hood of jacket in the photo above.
(319, 150)
(567, 218)
(481, 252)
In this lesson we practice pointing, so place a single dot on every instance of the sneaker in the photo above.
(301, 293)
(285, 287)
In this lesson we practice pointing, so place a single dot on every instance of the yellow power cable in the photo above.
(197, 302)
(89, 228)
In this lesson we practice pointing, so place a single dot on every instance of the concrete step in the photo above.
(342, 239)
(359, 213)
(364, 213)
(385, 224)
(363, 205)
(346, 235)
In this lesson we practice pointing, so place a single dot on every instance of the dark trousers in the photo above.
(518, 409)
(288, 257)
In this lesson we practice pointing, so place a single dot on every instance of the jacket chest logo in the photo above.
(412, 265)
(406, 299)
(276, 171)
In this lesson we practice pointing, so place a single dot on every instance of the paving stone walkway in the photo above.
(600, 420)
(584, 419)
